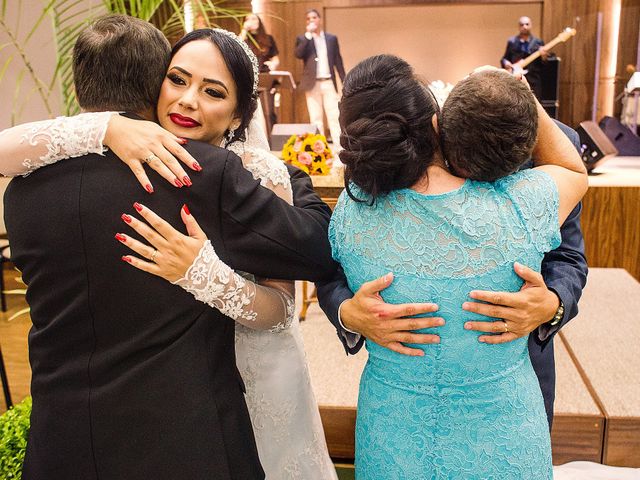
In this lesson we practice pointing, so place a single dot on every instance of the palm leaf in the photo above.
(18, 313)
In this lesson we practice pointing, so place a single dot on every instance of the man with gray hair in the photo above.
(132, 378)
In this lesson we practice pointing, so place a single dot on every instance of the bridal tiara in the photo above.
(247, 50)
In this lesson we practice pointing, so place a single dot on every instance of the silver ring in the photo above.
(150, 157)
(153, 255)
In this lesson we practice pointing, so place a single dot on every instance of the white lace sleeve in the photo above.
(264, 166)
(25, 148)
(212, 282)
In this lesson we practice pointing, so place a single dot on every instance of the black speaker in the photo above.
(281, 132)
(549, 80)
(627, 143)
(596, 146)
(551, 107)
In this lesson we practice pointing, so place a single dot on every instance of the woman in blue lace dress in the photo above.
(466, 409)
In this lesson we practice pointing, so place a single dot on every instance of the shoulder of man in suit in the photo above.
(208, 155)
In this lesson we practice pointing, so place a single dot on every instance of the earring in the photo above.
(230, 134)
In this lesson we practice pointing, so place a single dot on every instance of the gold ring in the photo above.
(506, 328)
(153, 255)
(149, 158)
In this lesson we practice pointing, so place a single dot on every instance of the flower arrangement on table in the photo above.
(309, 152)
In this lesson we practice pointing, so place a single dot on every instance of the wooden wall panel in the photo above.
(611, 228)
(627, 46)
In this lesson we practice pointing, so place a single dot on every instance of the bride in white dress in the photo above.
(269, 349)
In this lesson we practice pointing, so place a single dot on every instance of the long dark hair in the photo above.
(387, 131)
(240, 67)
(261, 37)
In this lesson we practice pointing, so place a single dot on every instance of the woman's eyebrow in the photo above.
(206, 80)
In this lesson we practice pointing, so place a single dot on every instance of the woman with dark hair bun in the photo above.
(464, 409)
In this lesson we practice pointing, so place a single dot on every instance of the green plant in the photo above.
(14, 429)
(68, 18)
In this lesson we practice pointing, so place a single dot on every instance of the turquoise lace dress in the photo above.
(466, 410)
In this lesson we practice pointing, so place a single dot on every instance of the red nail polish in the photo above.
(120, 237)
(186, 209)
(187, 181)
(196, 166)
(182, 141)
(126, 259)
(137, 206)
(178, 183)
(126, 218)
(148, 188)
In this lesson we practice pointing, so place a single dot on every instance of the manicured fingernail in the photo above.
(120, 237)
(137, 206)
(187, 181)
(186, 209)
(148, 188)
(465, 306)
(196, 166)
(517, 266)
(126, 218)
(178, 183)
(126, 259)
(467, 326)
(481, 340)
(440, 322)
(182, 141)
(472, 294)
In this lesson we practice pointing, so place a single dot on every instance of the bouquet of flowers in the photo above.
(309, 152)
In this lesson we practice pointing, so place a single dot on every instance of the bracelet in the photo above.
(559, 315)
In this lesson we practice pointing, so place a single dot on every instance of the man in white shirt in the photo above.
(321, 55)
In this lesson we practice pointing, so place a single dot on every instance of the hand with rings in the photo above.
(170, 252)
(513, 315)
(139, 142)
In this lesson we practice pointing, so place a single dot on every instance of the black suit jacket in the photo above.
(564, 271)
(132, 378)
(306, 50)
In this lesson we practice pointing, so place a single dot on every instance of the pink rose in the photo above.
(318, 146)
(304, 158)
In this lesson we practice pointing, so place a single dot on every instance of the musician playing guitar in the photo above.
(521, 46)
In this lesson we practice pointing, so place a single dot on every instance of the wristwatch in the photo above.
(557, 318)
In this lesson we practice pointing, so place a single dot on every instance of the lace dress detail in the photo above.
(263, 165)
(27, 147)
(283, 409)
(213, 282)
(466, 410)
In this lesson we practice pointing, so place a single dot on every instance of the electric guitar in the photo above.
(519, 67)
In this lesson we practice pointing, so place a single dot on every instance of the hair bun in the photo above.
(377, 151)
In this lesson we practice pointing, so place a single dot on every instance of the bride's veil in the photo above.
(256, 137)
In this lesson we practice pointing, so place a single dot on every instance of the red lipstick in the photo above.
(181, 121)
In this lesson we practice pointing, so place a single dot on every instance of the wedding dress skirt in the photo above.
(283, 409)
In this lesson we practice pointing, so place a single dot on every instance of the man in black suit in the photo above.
(321, 56)
(131, 377)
